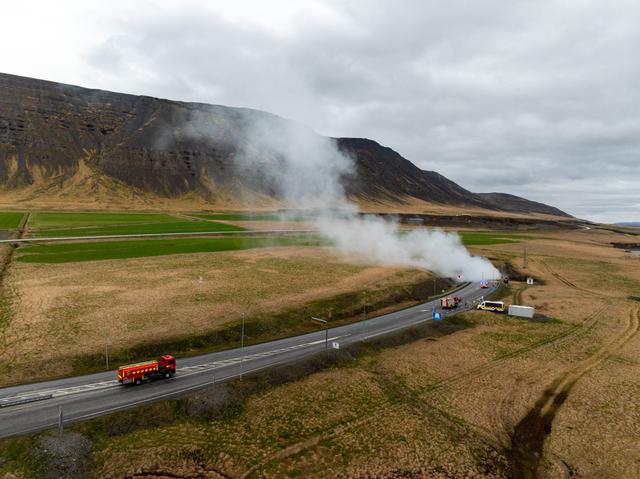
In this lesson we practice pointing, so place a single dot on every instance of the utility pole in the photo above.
(60, 419)
(326, 331)
(434, 287)
(364, 309)
(106, 344)
(242, 348)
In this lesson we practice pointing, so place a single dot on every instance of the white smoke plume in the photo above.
(381, 241)
(310, 174)
(308, 169)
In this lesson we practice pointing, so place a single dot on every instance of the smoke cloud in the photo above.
(307, 170)
(380, 241)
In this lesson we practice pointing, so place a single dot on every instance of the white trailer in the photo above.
(521, 311)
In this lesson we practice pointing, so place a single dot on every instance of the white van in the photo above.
(491, 306)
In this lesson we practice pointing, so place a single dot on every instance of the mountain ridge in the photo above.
(57, 138)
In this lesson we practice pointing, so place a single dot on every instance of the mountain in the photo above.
(384, 174)
(63, 141)
(634, 224)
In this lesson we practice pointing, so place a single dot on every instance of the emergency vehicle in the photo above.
(163, 367)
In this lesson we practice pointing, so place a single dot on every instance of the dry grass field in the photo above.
(62, 311)
(505, 398)
(549, 398)
(111, 196)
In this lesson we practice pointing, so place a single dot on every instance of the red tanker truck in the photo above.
(163, 367)
(450, 302)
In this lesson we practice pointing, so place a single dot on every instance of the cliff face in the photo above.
(56, 137)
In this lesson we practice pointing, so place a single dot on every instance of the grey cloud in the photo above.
(538, 99)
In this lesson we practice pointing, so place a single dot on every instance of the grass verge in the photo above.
(341, 309)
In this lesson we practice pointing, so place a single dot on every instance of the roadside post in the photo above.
(326, 331)
(242, 348)
(106, 344)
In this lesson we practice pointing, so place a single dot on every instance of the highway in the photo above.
(84, 397)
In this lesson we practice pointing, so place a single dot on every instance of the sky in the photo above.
(536, 98)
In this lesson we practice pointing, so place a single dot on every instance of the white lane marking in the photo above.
(188, 369)
(391, 330)
(151, 399)
(229, 362)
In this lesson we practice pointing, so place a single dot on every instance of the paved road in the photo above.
(84, 397)
(154, 235)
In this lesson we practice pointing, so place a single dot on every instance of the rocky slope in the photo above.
(66, 140)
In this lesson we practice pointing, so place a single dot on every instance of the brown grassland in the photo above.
(505, 398)
(104, 194)
(62, 311)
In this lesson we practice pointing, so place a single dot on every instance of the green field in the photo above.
(140, 228)
(46, 220)
(480, 238)
(10, 220)
(105, 250)
(58, 224)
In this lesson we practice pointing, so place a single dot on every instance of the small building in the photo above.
(529, 280)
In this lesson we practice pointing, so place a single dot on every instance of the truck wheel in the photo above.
(138, 382)
(167, 375)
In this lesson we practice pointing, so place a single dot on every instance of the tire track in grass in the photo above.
(483, 369)
(571, 285)
(517, 294)
(571, 334)
(527, 443)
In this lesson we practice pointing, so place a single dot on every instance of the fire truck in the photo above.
(163, 367)
(450, 302)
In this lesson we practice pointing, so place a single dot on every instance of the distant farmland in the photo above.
(107, 250)
(99, 224)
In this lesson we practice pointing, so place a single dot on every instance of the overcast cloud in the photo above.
(535, 98)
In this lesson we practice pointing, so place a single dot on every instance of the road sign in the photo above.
(435, 315)
(335, 345)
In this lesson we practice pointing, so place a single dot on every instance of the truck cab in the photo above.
(167, 363)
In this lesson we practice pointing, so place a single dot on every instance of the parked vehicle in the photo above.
(497, 306)
(163, 367)
(450, 302)
(521, 311)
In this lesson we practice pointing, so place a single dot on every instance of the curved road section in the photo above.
(33, 407)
